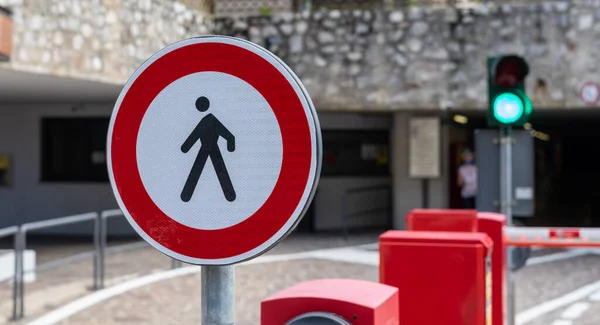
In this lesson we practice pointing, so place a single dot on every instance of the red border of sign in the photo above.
(581, 93)
(295, 168)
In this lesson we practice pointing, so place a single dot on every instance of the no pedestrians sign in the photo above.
(214, 150)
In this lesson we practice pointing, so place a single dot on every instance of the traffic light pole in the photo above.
(506, 208)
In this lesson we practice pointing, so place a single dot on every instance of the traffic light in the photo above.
(508, 101)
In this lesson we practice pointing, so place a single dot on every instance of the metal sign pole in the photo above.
(506, 205)
(218, 295)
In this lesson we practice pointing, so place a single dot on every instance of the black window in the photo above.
(74, 149)
(356, 153)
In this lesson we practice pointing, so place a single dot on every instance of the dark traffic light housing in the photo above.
(508, 104)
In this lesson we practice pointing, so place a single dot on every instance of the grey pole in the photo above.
(22, 247)
(17, 276)
(344, 216)
(102, 251)
(97, 235)
(218, 295)
(506, 204)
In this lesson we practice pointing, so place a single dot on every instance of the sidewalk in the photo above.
(58, 286)
(177, 300)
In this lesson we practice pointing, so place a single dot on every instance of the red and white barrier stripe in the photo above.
(552, 237)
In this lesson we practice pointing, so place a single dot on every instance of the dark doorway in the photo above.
(567, 168)
(567, 164)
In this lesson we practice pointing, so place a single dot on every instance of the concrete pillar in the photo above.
(408, 192)
(439, 190)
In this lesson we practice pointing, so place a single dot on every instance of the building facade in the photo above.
(369, 71)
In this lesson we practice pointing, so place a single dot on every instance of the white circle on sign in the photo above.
(590, 93)
(253, 166)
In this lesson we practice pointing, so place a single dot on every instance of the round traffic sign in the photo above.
(213, 150)
(590, 93)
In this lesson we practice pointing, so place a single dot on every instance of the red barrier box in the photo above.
(358, 302)
(489, 223)
(442, 220)
(443, 278)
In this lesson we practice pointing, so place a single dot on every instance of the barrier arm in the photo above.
(552, 237)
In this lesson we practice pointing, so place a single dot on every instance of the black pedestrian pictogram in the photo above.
(208, 131)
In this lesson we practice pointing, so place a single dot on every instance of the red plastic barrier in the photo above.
(443, 278)
(358, 302)
(442, 220)
(489, 223)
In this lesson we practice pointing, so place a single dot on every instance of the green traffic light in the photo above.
(526, 101)
(508, 108)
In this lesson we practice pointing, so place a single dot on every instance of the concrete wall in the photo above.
(408, 192)
(28, 199)
(328, 201)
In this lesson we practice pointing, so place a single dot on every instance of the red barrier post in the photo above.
(489, 223)
(443, 278)
(356, 301)
(442, 220)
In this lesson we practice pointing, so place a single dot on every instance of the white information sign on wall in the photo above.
(424, 147)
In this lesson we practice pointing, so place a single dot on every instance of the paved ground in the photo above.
(60, 285)
(556, 280)
(177, 300)
(538, 283)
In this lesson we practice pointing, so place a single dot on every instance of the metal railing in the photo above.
(103, 247)
(346, 215)
(103, 242)
(21, 246)
(98, 254)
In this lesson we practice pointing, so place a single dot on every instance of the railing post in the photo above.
(97, 233)
(344, 217)
(17, 273)
(102, 250)
(22, 241)
(175, 263)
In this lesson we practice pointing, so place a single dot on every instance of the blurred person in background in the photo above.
(467, 179)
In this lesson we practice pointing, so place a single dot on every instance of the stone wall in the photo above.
(431, 58)
(250, 7)
(349, 60)
(103, 40)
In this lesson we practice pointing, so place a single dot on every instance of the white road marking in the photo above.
(595, 296)
(576, 310)
(88, 301)
(351, 254)
(373, 246)
(359, 255)
(76, 306)
(562, 322)
(554, 304)
(558, 256)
